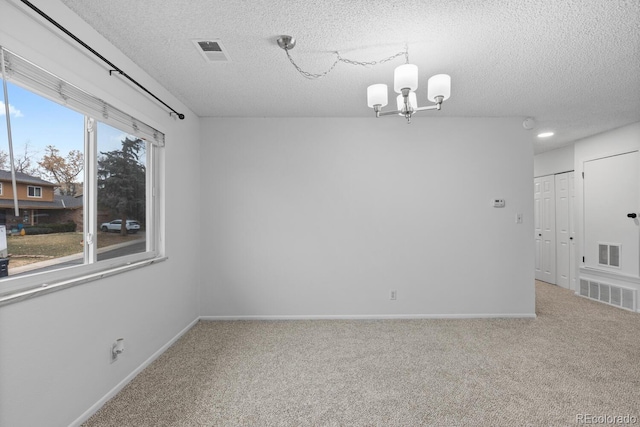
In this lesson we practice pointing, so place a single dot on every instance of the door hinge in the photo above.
(582, 175)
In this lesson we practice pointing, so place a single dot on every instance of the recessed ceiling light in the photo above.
(545, 134)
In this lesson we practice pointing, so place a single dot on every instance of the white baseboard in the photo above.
(374, 316)
(94, 408)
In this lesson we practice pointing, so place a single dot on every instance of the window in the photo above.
(91, 168)
(34, 191)
(0, 189)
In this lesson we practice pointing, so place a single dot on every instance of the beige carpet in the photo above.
(577, 357)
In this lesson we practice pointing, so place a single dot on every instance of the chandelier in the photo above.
(405, 82)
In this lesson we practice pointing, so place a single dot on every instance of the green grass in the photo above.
(60, 244)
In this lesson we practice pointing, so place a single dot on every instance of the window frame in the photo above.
(34, 187)
(26, 285)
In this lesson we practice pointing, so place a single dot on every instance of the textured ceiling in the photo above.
(573, 65)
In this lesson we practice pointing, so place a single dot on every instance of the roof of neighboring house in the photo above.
(24, 178)
(59, 202)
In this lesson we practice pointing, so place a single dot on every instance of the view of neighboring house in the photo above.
(38, 202)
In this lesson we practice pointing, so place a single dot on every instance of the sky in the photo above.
(39, 122)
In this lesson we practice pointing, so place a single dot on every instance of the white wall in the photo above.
(554, 161)
(323, 217)
(54, 349)
(617, 141)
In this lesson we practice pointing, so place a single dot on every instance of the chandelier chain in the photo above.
(339, 58)
(371, 63)
(307, 74)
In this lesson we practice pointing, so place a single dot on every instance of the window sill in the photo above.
(47, 288)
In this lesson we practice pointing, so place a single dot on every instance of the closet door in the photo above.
(573, 274)
(545, 228)
(563, 231)
(537, 221)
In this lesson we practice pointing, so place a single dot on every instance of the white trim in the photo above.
(90, 190)
(372, 316)
(586, 273)
(94, 408)
(18, 295)
(34, 191)
(612, 153)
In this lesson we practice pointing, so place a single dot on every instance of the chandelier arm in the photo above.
(436, 106)
(388, 113)
(428, 107)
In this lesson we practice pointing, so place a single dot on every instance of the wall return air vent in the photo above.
(609, 294)
(212, 50)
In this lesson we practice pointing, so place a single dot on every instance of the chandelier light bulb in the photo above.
(439, 85)
(405, 83)
(405, 77)
(377, 95)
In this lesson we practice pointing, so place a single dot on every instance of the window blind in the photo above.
(25, 73)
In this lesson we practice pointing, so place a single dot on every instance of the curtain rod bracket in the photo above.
(116, 71)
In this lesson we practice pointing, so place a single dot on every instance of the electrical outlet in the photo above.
(393, 295)
(117, 348)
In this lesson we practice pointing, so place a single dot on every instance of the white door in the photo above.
(611, 213)
(563, 223)
(545, 230)
(572, 233)
(537, 224)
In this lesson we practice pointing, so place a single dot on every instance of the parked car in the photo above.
(115, 225)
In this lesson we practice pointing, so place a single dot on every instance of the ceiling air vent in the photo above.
(211, 50)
